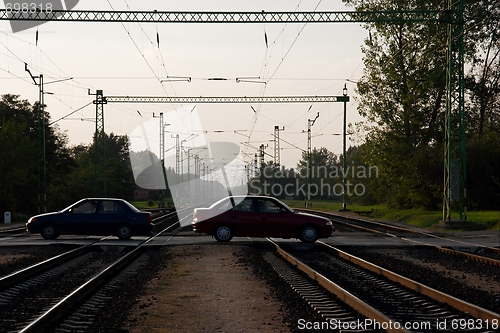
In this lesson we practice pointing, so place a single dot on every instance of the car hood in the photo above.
(313, 216)
(41, 216)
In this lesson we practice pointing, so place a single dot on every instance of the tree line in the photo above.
(402, 99)
(69, 169)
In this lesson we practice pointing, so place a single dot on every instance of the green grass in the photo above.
(477, 220)
(149, 204)
(144, 204)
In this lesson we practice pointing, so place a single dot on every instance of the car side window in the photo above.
(267, 206)
(88, 207)
(111, 207)
(245, 206)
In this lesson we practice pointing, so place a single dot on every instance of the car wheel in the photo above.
(49, 231)
(308, 234)
(223, 234)
(124, 232)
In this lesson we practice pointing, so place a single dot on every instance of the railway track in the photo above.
(485, 255)
(47, 295)
(336, 305)
(357, 295)
(13, 232)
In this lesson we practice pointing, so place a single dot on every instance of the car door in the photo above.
(111, 214)
(241, 217)
(80, 218)
(273, 220)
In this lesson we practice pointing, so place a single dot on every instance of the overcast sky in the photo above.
(124, 59)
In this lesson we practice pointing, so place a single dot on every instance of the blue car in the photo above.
(93, 216)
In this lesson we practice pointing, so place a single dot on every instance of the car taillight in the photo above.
(150, 218)
(32, 219)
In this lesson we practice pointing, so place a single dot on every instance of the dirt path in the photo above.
(206, 289)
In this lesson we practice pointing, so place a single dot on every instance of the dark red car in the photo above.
(258, 216)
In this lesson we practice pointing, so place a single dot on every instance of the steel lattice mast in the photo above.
(455, 190)
(99, 146)
(455, 158)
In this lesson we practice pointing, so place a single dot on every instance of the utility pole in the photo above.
(455, 186)
(162, 154)
(255, 167)
(177, 154)
(99, 145)
(42, 166)
(310, 123)
(344, 157)
(261, 155)
(197, 173)
(277, 144)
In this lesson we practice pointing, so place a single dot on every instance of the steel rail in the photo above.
(454, 302)
(376, 223)
(348, 298)
(478, 258)
(13, 232)
(85, 290)
(22, 274)
(481, 259)
(13, 229)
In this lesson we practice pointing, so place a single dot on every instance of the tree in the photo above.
(79, 183)
(119, 177)
(483, 79)
(19, 155)
(69, 170)
(402, 96)
(17, 168)
(321, 172)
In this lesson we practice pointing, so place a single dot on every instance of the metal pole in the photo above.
(308, 162)
(344, 159)
(310, 123)
(43, 183)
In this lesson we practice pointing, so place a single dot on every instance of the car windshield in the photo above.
(226, 204)
(72, 205)
(287, 207)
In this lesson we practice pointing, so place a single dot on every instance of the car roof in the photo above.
(103, 199)
(242, 197)
(251, 196)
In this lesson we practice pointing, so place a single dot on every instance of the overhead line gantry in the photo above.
(226, 16)
(452, 16)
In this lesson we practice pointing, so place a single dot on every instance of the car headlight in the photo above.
(329, 223)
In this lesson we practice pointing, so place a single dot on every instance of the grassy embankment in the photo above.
(477, 220)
